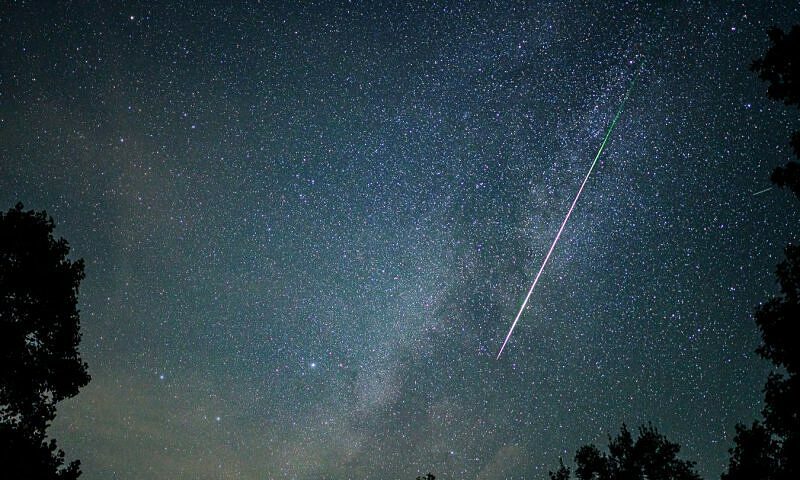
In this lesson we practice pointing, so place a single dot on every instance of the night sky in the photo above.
(307, 228)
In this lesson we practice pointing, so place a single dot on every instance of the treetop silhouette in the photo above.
(769, 449)
(780, 67)
(39, 336)
(651, 456)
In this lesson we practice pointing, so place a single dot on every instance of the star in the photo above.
(376, 190)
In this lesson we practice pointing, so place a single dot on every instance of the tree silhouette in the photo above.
(780, 67)
(769, 449)
(39, 336)
(651, 456)
(562, 473)
(753, 457)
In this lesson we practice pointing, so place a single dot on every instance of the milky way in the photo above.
(305, 228)
(566, 219)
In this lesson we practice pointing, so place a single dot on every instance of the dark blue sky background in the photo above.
(308, 227)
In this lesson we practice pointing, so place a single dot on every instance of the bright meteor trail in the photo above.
(566, 218)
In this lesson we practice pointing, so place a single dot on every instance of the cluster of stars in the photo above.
(308, 226)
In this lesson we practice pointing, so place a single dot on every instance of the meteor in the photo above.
(566, 218)
(762, 191)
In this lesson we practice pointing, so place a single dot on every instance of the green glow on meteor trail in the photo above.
(569, 212)
(613, 124)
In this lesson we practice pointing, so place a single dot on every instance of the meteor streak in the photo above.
(762, 191)
(566, 218)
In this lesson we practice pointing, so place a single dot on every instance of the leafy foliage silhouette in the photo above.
(651, 456)
(780, 67)
(768, 449)
(39, 335)
(562, 473)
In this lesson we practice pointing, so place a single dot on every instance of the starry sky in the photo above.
(307, 227)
